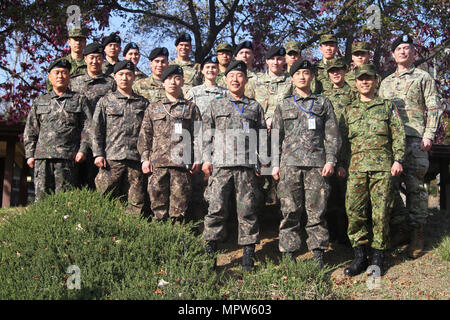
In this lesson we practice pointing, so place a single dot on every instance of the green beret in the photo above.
(368, 69)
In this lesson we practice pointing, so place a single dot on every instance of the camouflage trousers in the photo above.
(415, 166)
(363, 189)
(124, 179)
(53, 175)
(169, 190)
(303, 188)
(239, 182)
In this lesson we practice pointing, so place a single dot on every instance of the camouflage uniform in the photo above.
(108, 68)
(56, 130)
(150, 88)
(376, 136)
(116, 125)
(322, 82)
(414, 94)
(192, 74)
(304, 151)
(93, 89)
(169, 185)
(251, 84)
(79, 67)
(220, 80)
(233, 168)
(139, 75)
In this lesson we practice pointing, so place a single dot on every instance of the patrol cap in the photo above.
(360, 46)
(131, 45)
(243, 45)
(236, 65)
(170, 70)
(161, 51)
(301, 64)
(336, 63)
(293, 46)
(275, 51)
(405, 38)
(77, 33)
(224, 47)
(363, 69)
(113, 37)
(328, 38)
(210, 59)
(184, 37)
(124, 64)
(94, 47)
(60, 63)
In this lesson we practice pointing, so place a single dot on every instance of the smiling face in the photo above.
(329, 50)
(276, 64)
(210, 71)
(94, 62)
(59, 78)
(366, 84)
(133, 55)
(236, 81)
(184, 49)
(337, 75)
(159, 64)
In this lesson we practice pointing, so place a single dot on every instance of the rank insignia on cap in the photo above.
(405, 38)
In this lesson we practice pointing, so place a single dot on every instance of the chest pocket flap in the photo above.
(114, 111)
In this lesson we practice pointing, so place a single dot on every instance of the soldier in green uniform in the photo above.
(152, 87)
(293, 53)
(329, 49)
(224, 53)
(191, 70)
(375, 135)
(309, 143)
(341, 95)
(131, 52)
(360, 56)
(111, 45)
(56, 133)
(414, 93)
(244, 52)
(77, 43)
(229, 161)
(116, 126)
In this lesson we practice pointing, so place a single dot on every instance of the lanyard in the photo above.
(306, 111)
(237, 108)
(178, 118)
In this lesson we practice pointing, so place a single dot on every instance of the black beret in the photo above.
(301, 64)
(94, 47)
(159, 52)
(60, 63)
(184, 37)
(170, 70)
(210, 59)
(275, 51)
(124, 64)
(236, 65)
(243, 45)
(113, 37)
(405, 38)
(131, 45)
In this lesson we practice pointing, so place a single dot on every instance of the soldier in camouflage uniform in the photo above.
(116, 125)
(293, 53)
(191, 70)
(131, 52)
(229, 158)
(77, 43)
(111, 45)
(166, 144)
(94, 85)
(329, 49)
(341, 95)
(415, 95)
(376, 137)
(244, 52)
(56, 133)
(224, 53)
(152, 87)
(360, 56)
(309, 143)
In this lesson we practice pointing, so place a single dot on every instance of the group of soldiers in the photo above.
(345, 140)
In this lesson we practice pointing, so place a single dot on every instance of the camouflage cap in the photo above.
(77, 33)
(362, 46)
(293, 46)
(336, 63)
(328, 38)
(224, 47)
(363, 69)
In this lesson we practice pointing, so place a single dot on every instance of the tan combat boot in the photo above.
(415, 247)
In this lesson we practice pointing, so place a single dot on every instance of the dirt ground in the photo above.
(427, 277)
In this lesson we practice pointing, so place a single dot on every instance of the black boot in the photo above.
(378, 260)
(318, 257)
(211, 249)
(359, 263)
(248, 257)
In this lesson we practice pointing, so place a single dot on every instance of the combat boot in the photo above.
(211, 249)
(415, 247)
(359, 263)
(248, 257)
(378, 260)
(318, 257)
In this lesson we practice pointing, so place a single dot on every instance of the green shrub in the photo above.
(119, 256)
(444, 249)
